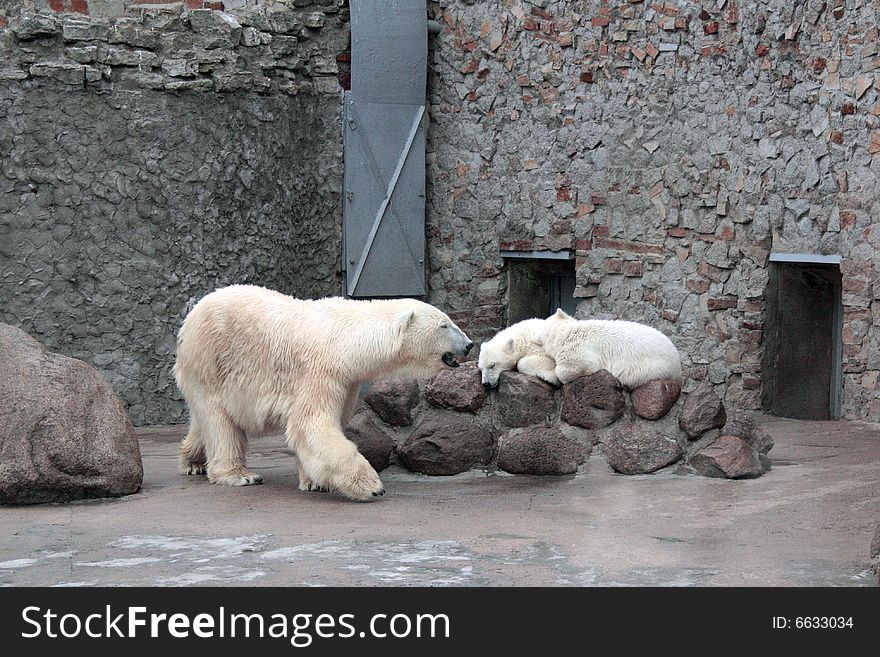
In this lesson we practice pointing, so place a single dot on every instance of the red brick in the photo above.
(470, 67)
(583, 245)
(698, 285)
(632, 268)
(627, 245)
(587, 77)
(847, 108)
(600, 21)
(562, 227)
(216, 6)
(677, 232)
(721, 303)
(79, 6)
(710, 271)
(584, 208)
(750, 337)
(613, 265)
(56, 5)
(595, 199)
(601, 231)
(751, 382)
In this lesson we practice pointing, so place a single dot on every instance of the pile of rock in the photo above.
(451, 423)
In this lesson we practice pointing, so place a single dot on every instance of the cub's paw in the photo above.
(193, 469)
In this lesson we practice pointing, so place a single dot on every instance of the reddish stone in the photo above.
(710, 28)
(697, 285)
(393, 400)
(626, 245)
(721, 303)
(600, 21)
(540, 450)
(371, 442)
(640, 448)
(702, 410)
(459, 389)
(730, 457)
(653, 400)
(592, 401)
(836, 137)
(445, 443)
(79, 6)
(613, 265)
(632, 268)
(762, 50)
(524, 400)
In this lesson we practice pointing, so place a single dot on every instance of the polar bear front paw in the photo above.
(237, 478)
(312, 487)
(359, 481)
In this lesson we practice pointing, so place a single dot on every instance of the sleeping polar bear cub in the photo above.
(251, 361)
(632, 352)
(516, 347)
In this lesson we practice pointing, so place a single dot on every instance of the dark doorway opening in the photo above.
(538, 286)
(801, 366)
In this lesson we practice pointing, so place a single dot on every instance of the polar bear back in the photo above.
(634, 353)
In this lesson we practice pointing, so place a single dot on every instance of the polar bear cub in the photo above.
(632, 352)
(516, 347)
(252, 361)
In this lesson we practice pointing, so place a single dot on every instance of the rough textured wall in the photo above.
(672, 145)
(147, 160)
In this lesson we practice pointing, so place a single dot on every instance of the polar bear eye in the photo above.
(444, 325)
(491, 366)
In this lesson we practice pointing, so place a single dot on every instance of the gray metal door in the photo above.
(384, 142)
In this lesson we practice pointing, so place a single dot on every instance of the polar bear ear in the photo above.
(403, 320)
(561, 314)
(508, 346)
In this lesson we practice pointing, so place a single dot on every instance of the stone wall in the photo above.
(148, 157)
(671, 145)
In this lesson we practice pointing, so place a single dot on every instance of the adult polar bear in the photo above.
(252, 361)
(632, 352)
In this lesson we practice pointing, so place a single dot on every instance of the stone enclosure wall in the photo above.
(671, 145)
(452, 423)
(148, 157)
(150, 152)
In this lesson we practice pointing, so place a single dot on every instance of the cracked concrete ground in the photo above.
(809, 521)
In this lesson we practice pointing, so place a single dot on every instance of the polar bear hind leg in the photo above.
(225, 448)
(192, 449)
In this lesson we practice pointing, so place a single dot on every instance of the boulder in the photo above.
(371, 441)
(729, 456)
(640, 448)
(592, 401)
(444, 443)
(523, 401)
(393, 400)
(701, 411)
(541, 450)
(654, 399)
(743, 425)
(65, 434)
(459, 389)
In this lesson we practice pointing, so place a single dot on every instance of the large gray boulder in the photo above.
(64, 434)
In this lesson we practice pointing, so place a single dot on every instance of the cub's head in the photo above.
(430, 340)
(496, 356)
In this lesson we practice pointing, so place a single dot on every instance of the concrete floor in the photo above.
(807, 522)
